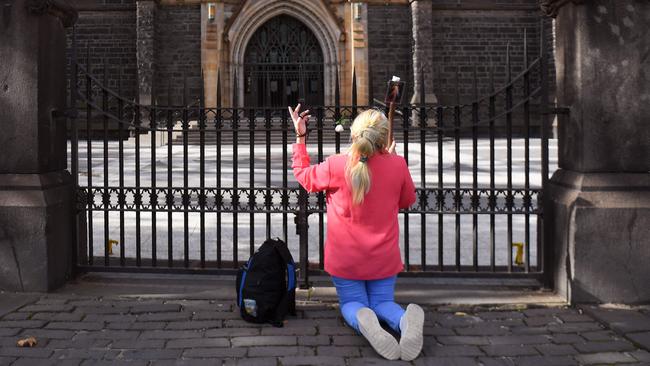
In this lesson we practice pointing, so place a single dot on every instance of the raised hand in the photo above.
(300, 120)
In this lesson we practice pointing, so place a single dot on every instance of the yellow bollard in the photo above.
(519, 257)
(112, 242)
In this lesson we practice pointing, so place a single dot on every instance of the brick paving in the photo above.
(104, 330)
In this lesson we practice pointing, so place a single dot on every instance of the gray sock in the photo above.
(382, 341)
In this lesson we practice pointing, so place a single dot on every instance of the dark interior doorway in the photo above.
(283, 63)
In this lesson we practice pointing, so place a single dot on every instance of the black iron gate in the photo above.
(149, 206)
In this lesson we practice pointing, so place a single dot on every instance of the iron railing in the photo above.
(220, 168)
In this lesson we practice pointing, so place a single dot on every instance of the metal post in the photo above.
(302, 229)
(547, 257)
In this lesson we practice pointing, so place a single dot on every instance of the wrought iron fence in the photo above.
(179, 187)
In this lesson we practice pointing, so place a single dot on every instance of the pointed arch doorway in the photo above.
(283, 63)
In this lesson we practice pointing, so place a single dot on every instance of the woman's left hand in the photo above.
(300, 120)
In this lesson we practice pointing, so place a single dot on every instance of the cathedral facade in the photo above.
(258, 53)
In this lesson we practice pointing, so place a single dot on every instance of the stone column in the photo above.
(36, 192)
(212, 52)
(422, 14)
(356, 47)
(145, 48)
(598, 202)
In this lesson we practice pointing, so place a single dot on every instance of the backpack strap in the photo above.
(288, 302)
(243, 281)
(282, 249)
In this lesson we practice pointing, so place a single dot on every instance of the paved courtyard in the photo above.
(259, 157)
(105, 326)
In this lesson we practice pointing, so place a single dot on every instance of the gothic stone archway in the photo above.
(316, 18)
(283, 62)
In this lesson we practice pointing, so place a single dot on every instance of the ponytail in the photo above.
(369, 133)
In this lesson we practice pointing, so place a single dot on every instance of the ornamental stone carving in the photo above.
(551, 7)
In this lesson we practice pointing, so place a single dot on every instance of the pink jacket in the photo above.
(362, 241)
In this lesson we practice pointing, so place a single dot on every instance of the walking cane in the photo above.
(392, 100)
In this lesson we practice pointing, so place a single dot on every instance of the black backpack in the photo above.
(266, 285)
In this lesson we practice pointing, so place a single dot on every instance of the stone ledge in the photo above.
(20, 182)
(590, 182)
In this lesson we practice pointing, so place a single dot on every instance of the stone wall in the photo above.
(178, 53)
(109, 29)
(389, 47)
(436, 36)
(463, 40)
(455, 39)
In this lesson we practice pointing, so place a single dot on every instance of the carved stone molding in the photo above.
(60, 9)
(550, 8)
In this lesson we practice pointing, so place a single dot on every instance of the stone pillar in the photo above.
(356, 25)
(36, 237)
(212, 52)
(598, 202)
(145, 48)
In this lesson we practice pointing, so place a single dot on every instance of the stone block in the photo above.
(313, 360)
(152, 354)
(35, 231)
(641, 338)
(277, 351)
(620, 320)
(264, 341)
(556, 349)
(605, 358)
(198, 343)
(451, 361)
(600, 220)
(509, 350)
(214, 352)
(544, 361)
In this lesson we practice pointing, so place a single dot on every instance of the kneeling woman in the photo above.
(365, 189)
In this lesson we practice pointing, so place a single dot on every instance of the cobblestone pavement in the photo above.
(198, 330)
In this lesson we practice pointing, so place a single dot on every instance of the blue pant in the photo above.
(378, 295)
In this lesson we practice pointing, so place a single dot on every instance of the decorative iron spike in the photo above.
(301, 85)
(87, 58)
(525, 50)
(542, 42)
(169, 92)
(371, 95)
(184, 89)
(218, 88)
(119, 80)
(234, 91)
(475, 85)
(105, 71)
(508, 66)
(337, 90)
(354, 87)
(457, 85)
(491, 76)
(202, 92)
(423, 98)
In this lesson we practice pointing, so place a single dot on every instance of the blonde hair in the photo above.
(369, 133)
